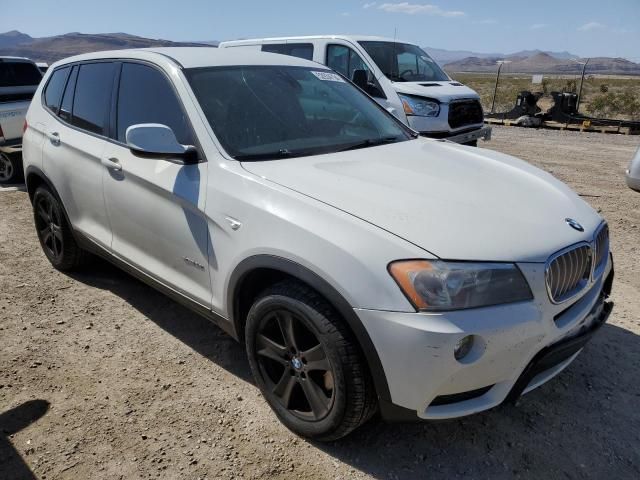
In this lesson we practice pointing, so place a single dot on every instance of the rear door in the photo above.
(76, 134)
(156, 206)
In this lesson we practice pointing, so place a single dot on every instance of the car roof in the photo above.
(353, 38)
(194, 57)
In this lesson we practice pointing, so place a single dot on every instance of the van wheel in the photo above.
(307, 364)
(54, 232)
(10, 168)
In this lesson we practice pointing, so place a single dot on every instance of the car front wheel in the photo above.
(307, 364)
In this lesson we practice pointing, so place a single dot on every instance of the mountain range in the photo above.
(50, 49)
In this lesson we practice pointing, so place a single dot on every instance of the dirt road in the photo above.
(102, 377)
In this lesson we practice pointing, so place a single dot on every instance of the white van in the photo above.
(399, 75)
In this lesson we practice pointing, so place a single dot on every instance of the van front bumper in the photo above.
(517, 348)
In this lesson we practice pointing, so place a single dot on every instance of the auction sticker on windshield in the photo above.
(328, 76)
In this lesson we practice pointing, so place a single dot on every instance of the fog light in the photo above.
(463, 347)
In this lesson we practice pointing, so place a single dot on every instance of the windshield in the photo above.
(267, 112)
(403, 62)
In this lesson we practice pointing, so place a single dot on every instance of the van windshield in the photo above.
(269, 112)
(403, 62)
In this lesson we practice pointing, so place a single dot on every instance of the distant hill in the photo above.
(51, 49)
(444, 57)
(544, 63)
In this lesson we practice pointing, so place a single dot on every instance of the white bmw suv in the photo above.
(364, 267)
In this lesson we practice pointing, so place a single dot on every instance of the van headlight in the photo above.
(420, 107)
(436, 285)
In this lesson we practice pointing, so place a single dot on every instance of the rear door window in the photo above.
(92, 96)
(146, 96)
(55, 86)
(300, 50)
(19, 74)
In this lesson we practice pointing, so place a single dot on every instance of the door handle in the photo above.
(112, 164)
(54, 138)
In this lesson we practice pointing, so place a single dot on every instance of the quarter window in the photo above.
(54, 89)
(300, 50)
(92, 95)
(146, 96)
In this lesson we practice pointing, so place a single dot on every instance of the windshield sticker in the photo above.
(328, 76)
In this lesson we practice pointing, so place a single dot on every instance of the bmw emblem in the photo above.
(573, 224)
(297, 363)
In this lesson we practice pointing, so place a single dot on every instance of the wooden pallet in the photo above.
(576, 127)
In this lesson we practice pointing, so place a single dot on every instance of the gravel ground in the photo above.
(102, 377)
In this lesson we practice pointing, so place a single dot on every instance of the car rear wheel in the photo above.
(54, 232)
(307, 364)
(10, 168)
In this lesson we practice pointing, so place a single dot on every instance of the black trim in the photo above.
(14, 142)
(459, 397)
(316, 282)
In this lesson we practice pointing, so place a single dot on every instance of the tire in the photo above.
(299, 349)
(55, 233)
(10, 168)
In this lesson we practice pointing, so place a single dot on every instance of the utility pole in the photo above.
(584, 67)
(495, 89)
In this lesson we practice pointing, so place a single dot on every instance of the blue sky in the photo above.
(587, 27)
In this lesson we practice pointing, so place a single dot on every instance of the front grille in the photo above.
(569, 272)
(601, 247)
(465, 112)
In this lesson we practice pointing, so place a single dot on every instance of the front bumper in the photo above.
(483, 133)
(518, 348)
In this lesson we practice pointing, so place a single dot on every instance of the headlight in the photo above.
(420, 107)
(438, 285)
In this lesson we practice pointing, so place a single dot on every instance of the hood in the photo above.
(443, 91)
(456, 202)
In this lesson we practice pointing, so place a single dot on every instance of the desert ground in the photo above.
(102, 377)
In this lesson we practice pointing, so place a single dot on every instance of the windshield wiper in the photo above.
(369, 142)
(282, 153)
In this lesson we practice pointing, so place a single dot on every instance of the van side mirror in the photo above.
(157, 140)
(361, 80)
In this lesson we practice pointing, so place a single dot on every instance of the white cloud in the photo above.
(419, 8)
(369, 5)
(538, 26)
(590, 26)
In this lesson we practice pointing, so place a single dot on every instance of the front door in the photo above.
(156, 206)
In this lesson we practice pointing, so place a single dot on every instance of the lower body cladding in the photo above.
(511, 350)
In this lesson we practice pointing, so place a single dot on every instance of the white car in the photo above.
(401, 76)
(19, 78)
(633, 172)
(363, 266)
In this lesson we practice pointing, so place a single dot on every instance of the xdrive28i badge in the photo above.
(573, 224)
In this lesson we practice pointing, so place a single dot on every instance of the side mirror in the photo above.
(157, 140)
(361, 80)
